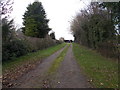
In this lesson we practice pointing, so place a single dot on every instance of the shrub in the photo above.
(13, 49)
(40, 43)
(108, 49)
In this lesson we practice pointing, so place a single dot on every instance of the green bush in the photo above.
(14, 49)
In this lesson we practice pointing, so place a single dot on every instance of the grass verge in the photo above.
(103, 73)
(31, 57)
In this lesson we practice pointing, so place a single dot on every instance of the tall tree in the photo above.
(7, 26)
(93, 26)
(35, 21)
(8, 30)
(6, 7)
(114, 10)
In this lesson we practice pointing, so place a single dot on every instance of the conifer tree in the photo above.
(35, 21)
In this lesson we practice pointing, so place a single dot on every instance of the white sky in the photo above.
(60, 13)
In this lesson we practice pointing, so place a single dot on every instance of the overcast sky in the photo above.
(60, 13)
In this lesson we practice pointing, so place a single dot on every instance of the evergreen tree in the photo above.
(35, 21)
(8, 30)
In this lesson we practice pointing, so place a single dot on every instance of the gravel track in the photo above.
(33, 79)
(69, 74)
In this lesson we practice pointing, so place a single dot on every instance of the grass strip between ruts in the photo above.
(55, 65)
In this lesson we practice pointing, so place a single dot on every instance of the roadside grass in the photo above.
(31, 57)
(102, 72)
(55, 65)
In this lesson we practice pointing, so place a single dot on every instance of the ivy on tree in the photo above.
(35, 21)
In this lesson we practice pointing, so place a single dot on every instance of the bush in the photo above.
(40, 43)
(108, 49)
(22, 44)
(14, 49)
